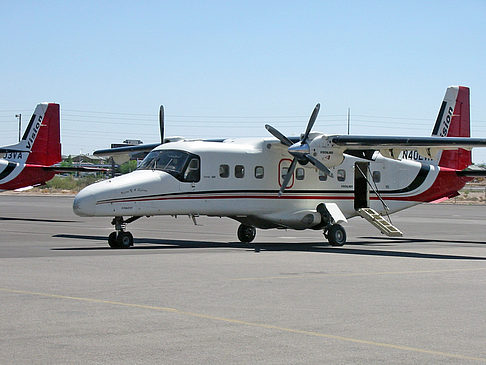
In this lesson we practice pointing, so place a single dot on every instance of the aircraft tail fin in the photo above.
(453, 121)
(42, 137)
(41, 140)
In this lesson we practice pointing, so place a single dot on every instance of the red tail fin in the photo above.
(45, 138)
(453, 121)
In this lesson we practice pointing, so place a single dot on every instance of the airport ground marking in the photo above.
(377, 273)
(246, 323)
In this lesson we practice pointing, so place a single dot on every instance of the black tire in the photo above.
(112, 241)
(336, 235)
(125, 240)
(246, 234)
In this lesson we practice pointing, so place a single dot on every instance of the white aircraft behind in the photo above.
(317, 181)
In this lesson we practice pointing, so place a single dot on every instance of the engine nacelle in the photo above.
(325, 151)
(301, 219)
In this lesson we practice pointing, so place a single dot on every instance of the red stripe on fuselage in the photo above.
(447, 184)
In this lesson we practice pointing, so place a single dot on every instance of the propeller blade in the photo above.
(161, 123)
(311, 122)
(319, 165)
(284, 140)
(287, 177)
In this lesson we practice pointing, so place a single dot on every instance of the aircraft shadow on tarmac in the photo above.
(419, 240)
(167, 244)
(35, 220)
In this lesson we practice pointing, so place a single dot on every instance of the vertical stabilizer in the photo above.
(453, 121)
(42, 136)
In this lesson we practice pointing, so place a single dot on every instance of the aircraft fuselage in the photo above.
(241, 179)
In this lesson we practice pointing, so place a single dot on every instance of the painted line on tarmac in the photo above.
(379, 273)
(250, 324)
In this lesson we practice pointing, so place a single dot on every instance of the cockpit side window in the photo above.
(192, 171)
(183, 165)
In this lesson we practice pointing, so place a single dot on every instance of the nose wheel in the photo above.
(121, 238)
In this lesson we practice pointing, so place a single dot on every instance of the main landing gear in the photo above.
(246, 234)
(335, 234)
(121, 238)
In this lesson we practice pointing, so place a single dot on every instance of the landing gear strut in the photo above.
(335, 233)
(246, 234)
(121, 238)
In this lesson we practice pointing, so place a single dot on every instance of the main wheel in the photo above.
(112, 241)
(125, 239)
(246, 233)
(336, 235)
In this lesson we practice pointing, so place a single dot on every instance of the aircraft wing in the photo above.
(123, 154)
(378, 142)
(8, 149)
(391, 146)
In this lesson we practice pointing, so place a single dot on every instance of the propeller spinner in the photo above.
(300, 150)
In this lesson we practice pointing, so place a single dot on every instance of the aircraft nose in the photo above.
(84, 203)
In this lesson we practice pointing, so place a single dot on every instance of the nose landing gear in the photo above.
(121, 238)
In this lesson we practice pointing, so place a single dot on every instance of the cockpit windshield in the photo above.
(174, 162)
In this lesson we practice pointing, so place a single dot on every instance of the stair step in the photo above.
(379, 222)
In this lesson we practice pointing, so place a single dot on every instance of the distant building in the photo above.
(87, 159)
(133, 142)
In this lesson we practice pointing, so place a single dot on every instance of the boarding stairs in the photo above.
(379, 222)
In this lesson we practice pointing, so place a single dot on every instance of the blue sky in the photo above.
(225, 68)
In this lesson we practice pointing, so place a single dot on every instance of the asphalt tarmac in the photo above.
(189, 294)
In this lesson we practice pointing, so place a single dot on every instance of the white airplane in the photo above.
(317, 181)
(31, 162)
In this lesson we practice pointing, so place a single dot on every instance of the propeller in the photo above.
(161, 123)
(300, 150)
(279, 135)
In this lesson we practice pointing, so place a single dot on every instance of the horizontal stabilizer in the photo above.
(472, 171)
(75, 169)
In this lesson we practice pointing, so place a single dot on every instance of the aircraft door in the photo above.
(283, 168)
(192, 175)
(361, 187)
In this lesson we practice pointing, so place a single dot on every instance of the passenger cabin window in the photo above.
(376, 176)
(300, 173)
(322, 176)
(239, 171)
(259, 172)
(224, 170)
(184, 166)
(341, 175)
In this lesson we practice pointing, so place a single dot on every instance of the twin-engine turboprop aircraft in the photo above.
(31, 161)
(317, 181)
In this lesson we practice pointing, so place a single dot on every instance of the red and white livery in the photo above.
(28, 163)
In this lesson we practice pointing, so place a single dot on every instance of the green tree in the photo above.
(128, 166)
(68, 162)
